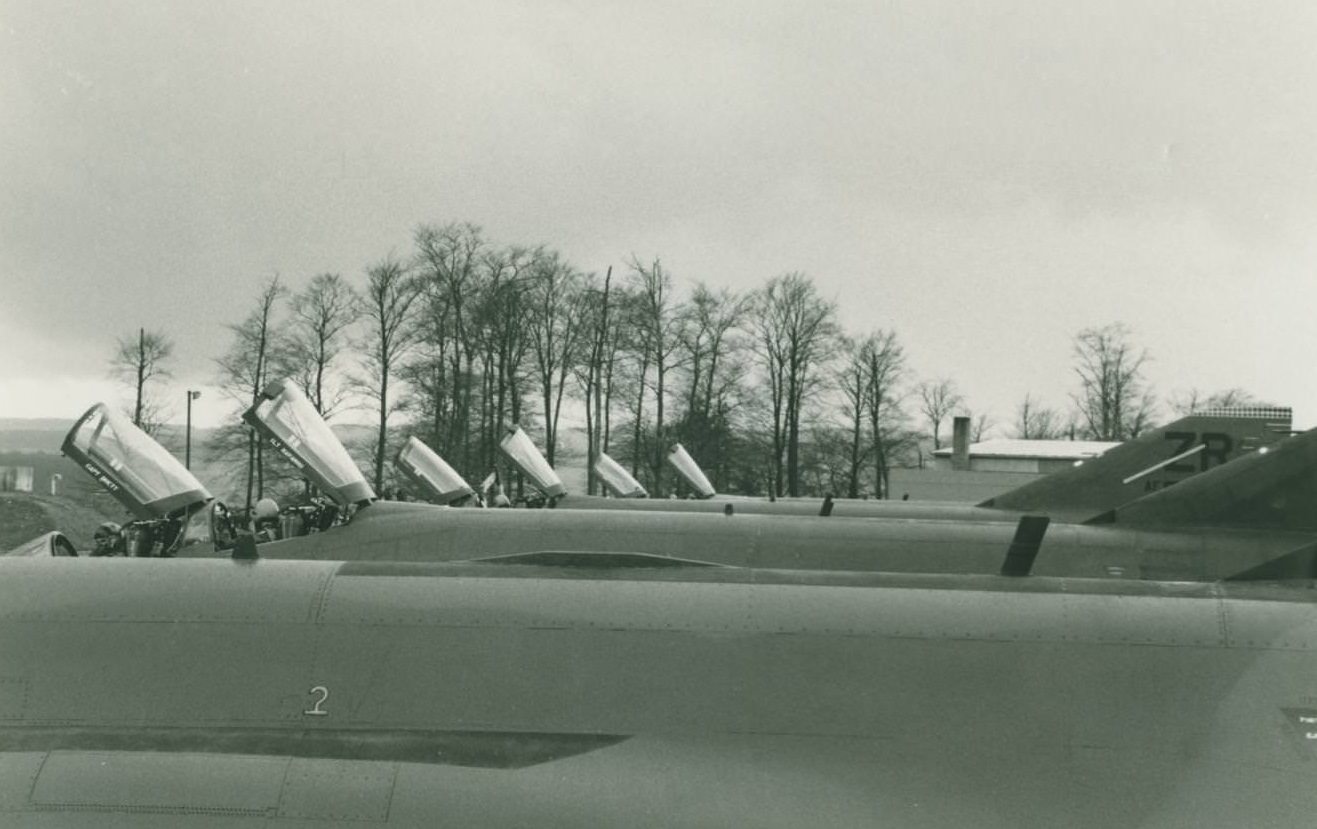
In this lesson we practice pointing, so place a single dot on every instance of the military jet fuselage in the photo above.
(286, 693)
(1188, 545)
(388, 531)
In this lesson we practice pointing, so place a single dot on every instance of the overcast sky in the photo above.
(985, 177)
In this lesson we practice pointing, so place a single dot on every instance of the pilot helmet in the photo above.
(266, 508)
(107, 534)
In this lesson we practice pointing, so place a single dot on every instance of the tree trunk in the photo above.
(141, 376)
(384, 424)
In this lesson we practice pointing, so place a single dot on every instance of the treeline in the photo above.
(463, 337)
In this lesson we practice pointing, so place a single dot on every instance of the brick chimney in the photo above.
(960, 443)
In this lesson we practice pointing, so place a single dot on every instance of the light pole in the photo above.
(187, 440)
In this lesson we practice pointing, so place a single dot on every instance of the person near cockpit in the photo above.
(108, 540)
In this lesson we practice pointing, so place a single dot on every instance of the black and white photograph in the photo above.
(746, 413)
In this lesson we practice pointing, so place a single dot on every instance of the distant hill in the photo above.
(35, 423)
(38, 434)
(31, 440)
(45, 434)
(23, 517)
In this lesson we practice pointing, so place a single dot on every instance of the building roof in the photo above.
(1072, 450)
(1283, 413)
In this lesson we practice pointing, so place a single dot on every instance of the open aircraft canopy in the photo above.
(519, 449)
(423, 467)
(288, 420)
(690, 471)
(617, 479)
(139, 472)
(50, 544)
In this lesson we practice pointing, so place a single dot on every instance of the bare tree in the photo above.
(710, 320)
(501, 322)
(1195, 400)
(658, 323)
(1114, 401)
(244, 371)
(138, 361)
(852, 381)
(466, 388)
(322, 313)
(387, 311)
(794, 329)
(825, 459)
(1033, 421)
(631, 379)
(937, 399)
(597, 369)
(453, 265)
(883, 362)
(711, 349)
(556, 299)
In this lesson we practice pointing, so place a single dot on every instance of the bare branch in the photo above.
(137, 361)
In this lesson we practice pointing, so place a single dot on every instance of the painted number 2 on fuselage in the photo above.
(318, 696)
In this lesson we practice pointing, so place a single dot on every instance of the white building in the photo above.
(1039, 457)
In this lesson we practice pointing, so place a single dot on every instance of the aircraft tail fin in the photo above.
(1275, 489)
(1151, 462)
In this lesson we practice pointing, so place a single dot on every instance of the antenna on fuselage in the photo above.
(1024, 547)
